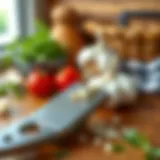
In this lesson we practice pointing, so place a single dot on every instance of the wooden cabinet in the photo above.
(99, 9)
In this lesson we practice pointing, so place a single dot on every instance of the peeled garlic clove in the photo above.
(108, 147)
(13, 76)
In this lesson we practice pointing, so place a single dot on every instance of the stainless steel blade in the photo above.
(56, 118)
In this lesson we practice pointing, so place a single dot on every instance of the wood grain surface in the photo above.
(143, 115)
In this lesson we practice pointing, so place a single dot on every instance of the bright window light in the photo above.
(9, 28)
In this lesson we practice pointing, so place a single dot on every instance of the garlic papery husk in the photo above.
(100, 65)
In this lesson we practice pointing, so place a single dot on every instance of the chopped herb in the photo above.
(17, 89)
(136, 139)
(150, 156)
(156, 152)
(6, 62)
(38, 48)
(3, 91)
(153, 154)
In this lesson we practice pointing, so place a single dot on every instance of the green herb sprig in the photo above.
(17, 89)
(136, 139)
(39, 47)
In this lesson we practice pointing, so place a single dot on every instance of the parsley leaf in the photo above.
(137, 139)
(153, 154)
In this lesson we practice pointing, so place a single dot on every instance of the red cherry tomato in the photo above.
(66, 78)
(40, 84)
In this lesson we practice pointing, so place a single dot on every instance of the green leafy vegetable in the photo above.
(17, 89)
(6, 61)
(3, 91)
(153, 154)
(156, 152)
(136, 139)
(39, 47)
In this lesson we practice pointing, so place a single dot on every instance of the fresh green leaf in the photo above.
(17, 89)
(153, 154)
(38, 48)
(3, 91)
(136, 139)
(150, 156)
(6, 62)
(156, 152)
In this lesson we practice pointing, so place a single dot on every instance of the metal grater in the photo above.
(57, 117)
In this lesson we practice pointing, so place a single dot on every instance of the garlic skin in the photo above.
(100, 67)
(11, 75)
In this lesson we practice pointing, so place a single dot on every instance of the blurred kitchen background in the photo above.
(132, 29)
(17, 17)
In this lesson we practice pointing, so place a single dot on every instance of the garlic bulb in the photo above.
(101, 69)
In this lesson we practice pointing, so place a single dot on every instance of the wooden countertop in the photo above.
(143, 115)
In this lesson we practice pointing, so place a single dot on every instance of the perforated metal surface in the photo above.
(58, 116)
